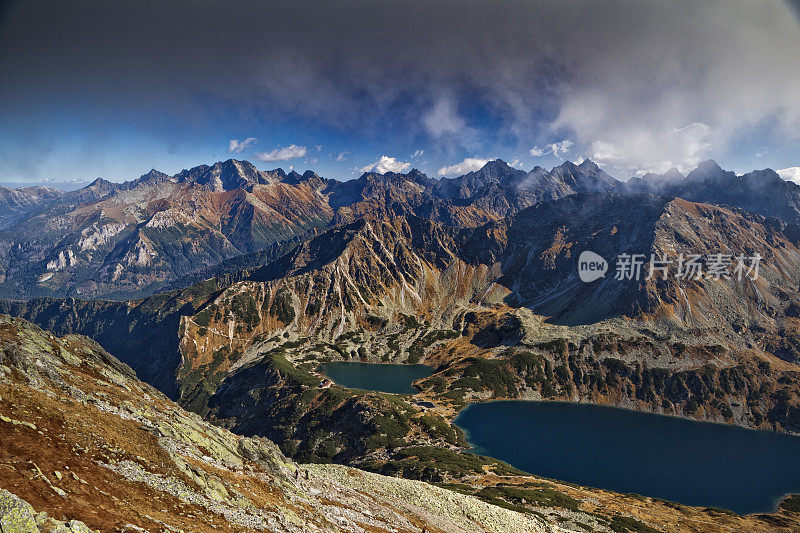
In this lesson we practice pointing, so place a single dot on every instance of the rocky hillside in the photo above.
(121, 240)
(126, 239)
(408, 289)
(85, 445)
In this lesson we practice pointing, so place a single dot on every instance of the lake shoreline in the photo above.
(485, 441)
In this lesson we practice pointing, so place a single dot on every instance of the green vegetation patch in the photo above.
(623, 524)
(282, 306)
(541, 497)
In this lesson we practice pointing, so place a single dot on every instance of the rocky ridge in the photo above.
(131, 239)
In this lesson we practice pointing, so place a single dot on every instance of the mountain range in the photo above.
(122, 240)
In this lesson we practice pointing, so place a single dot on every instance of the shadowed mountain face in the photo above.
(502, 190)
(538, 250)
(377, 271)
(476, 276)
(401, 273)
(114, 453)
(760, 191)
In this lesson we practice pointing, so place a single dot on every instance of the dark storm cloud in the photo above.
(638, 83)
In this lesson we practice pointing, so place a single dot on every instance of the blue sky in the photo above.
(95, 89)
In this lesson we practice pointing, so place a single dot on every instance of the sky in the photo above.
(112, 89)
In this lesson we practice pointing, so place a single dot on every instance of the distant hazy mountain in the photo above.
(760, 191)
(16, 204)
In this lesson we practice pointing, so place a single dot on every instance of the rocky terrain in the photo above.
(87, 446)
(476, 277)
(497, 310)
(17, 204)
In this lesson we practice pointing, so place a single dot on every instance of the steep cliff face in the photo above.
(143, 333)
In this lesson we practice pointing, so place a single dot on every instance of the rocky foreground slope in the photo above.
(84, 440)
(86, 446)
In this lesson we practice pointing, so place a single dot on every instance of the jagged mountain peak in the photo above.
(708, 165)
(496, 164)
(673, 174)
(100, 182)
(225, 175)
(709, 170)
(759, 191)
(587, 176)
(153, 177)
(414, 175)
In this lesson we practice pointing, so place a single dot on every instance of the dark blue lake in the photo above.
(378, 377)
(694, 463)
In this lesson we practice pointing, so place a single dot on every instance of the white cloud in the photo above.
(537, 152)
(638, 151)
(443, 119)
(560, 148)
(790, 174)
(557, 149)
(467, 165)
(235, 145)
(666, 101)
(282, 154)
(341, 156)
(386, 164)
(417, 153)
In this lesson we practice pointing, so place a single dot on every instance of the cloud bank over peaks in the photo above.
(386, 164)
(557, 149)
(642, 150)
(469, 164)
(790, 174)
(282, 154)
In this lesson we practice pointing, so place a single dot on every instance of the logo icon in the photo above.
(591, 266)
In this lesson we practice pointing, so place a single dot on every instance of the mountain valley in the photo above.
(249, 280)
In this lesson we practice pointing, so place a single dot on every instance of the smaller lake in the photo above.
(392, 378)
(694, 463)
